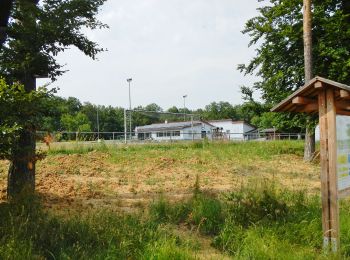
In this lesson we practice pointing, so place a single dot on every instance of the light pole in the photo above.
(98, 124)
(184, 96)
(129, 81)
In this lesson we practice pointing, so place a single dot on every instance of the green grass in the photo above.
(261, 149)
(258, 221)
(27, 232)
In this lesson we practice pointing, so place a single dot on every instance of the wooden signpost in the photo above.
(328, 99)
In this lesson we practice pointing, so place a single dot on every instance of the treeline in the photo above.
(69, 114)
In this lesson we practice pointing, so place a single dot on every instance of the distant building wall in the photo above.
(196, 132)
(317, 133)
(233, 130)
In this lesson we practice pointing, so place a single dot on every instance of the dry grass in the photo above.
(129, 177)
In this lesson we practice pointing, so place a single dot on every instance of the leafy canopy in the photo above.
(38, 32)
(277, 32)
(20, 110)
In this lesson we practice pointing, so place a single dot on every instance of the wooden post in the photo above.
(332, 165)
(324, 167)
(329, 180)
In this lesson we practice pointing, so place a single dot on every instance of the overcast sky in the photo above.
(169, 48)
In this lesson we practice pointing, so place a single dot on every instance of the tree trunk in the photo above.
(21, 174)
(309, 147)
(307, 22)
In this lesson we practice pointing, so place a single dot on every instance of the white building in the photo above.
(233, 130)
(188, 130)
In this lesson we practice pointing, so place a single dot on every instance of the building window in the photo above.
(168, 134)
(176, 133)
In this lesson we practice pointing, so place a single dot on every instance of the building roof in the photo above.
(170, 126)
(305, 99)
(221, 120)
(269, 130)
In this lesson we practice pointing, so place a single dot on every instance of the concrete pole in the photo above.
(192, 128)
(184, 96)
(129, 80)
(125, 130)
(98, 125)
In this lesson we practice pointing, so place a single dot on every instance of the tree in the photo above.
(35, 35)
(173, 109)
(278, 32)
(250, 108)
(309, 148)
(76, 123)
(20, 110)
(153, 107)
(220, 110)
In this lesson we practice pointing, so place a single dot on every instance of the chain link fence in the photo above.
(166, 136)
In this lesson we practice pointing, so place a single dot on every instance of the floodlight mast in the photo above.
(184, 97)
(98, 124)
(129, 81)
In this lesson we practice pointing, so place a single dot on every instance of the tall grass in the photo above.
(258, 222)
(260, 149)
(255, 222)
(27, 232)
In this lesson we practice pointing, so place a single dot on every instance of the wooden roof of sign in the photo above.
(305, 99)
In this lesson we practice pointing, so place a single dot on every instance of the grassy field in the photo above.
(170, 201)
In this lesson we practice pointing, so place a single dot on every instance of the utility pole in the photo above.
(184, 96)
(98, 124)
(309, 147)
(125, 127)
(129, 81)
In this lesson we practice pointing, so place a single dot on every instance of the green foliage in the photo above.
(19, 111)
(221, 110)
(277, 32)
(76, 123)
(44, 30)
(282, 122)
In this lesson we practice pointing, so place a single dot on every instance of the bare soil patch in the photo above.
(128, 182)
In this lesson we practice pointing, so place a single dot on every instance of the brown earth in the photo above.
(95, 180)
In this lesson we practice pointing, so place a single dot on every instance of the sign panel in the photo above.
(343, 153)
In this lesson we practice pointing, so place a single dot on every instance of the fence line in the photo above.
(166, 136)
